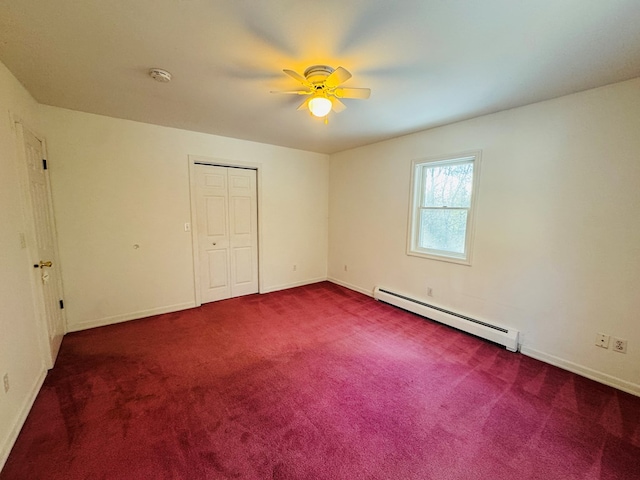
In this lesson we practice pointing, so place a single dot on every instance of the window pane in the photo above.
(443, 229)
(448, 185)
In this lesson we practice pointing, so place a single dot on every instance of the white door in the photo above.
(42, 247)
(227, 225)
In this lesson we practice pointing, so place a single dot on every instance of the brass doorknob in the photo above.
(45, 264)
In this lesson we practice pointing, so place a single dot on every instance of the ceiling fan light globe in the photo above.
(320, 106)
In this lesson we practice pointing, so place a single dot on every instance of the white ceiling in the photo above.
(427, 62)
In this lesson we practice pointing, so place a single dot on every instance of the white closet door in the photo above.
(243, 231)
(227, 218)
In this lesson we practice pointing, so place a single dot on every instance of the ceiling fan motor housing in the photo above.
(318, 73)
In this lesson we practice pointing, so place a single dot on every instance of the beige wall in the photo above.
(20, 327)
(117, 183)
(556, 251)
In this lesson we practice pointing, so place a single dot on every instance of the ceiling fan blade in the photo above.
(362, 93)
(304, 105)
(296, 75)
(297, 91)
(336, 105)
(339, 76)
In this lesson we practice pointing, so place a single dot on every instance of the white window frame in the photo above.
(418, 169)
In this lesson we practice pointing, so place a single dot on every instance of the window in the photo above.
(442, 198)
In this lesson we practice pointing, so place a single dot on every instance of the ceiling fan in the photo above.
(323, 86)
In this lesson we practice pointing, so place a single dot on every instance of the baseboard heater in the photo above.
(507, 337)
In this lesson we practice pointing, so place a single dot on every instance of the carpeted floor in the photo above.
(316, 382)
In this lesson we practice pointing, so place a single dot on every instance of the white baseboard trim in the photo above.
(615, 382)
(101, 322)
(368, 293)
(293, 285)
(5, 448)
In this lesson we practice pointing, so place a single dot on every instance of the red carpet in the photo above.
(316, 382)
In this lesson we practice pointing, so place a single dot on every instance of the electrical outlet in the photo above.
(619, 345)
(429, 292)
(6, 382)
(187, 227)
(602, 340)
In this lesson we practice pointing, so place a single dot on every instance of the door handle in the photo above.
(45, 264)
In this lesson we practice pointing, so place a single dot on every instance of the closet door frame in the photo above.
(219, 162)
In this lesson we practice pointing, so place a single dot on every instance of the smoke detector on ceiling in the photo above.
(160, 75)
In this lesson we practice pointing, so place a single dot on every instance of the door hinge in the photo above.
(61, 304)
(44, 163)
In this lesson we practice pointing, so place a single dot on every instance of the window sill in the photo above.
(440, 257)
